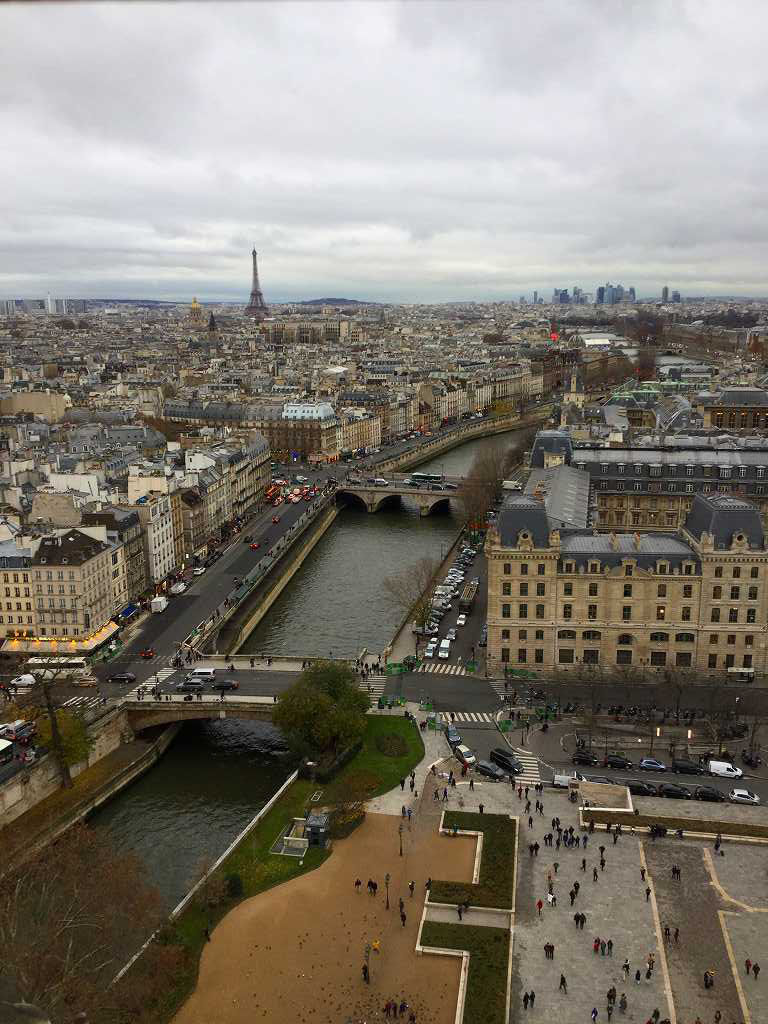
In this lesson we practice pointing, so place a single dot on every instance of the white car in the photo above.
(462, 620)
(743, 796)
(198, 570)
(430, 651)
(451, 634)
(178, 588)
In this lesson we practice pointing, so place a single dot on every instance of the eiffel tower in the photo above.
(257, 307)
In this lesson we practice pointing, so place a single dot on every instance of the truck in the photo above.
(468, 598)
(159, 604)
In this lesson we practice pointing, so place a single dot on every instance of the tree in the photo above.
(72, 744)
(324, 711)
(411, 589)
(69, 919)
(346, 802)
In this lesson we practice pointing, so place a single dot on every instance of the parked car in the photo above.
(709, 793)
(639, 788)
(674, 791)
(465, 755)
(226, 684)
(430, 649)
(491, 771)
(617, 761)
(743, 796)
(506, 759)
(751, 760)
(584, 757)
(191, 685)
(452, 736)
(650, 764)
(684, 766)
(198, 570)
(462, 620)
(121, 677)
(451, 634)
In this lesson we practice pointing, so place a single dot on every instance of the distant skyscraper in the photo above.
(257, 307)
(535, 298)
(665, 293)
(676, 297)
(631, 294)
(600, 296)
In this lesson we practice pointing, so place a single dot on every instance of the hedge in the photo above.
(672, 822)
(496, 885)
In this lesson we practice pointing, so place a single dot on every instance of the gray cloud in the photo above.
(396, 151)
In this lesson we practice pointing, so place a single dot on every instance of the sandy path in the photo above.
(295, 953)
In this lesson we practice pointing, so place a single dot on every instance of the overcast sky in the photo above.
(414, 152)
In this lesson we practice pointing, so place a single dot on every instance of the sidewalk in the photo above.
(435, 749)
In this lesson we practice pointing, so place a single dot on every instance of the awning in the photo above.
(128, 611)
(62, 645)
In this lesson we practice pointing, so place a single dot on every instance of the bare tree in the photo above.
(411, 589)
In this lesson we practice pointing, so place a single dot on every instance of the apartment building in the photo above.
(125, 525)
(71, 578)
(694, 599)
(156, 518)
(735, 409)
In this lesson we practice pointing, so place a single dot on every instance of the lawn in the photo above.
(391, 747)
(496, 885)
(384, 768)
(486, 998)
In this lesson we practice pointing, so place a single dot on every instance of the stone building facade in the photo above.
(696, 599)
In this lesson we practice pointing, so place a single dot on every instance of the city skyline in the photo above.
(503, 150)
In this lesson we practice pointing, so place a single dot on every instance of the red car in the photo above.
(148, 652)
(255, 546)
(275, 519)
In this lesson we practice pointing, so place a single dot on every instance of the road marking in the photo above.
(659, 937)
(734, 968)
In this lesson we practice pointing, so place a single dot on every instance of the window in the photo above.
(627, 570)
(754, 572)
(593, 590)
(714, 637)
(718, 572)
(522, 634)
(506, 589)
(565, 655)
(717, 593)
(685, 638)
(507, 568)
(752, 595)
(591, 634)
(567, 589)
(729, 660)
(751, 615)
(688, 591)
(566, 634)
(623, 657)
(505, 654)
(592, 612)
(522, 612)
(661, 612)
(567, 611)
(505, 611)
(733, 614)
(661, 590)
(748, 640)
(523, 590)
(594, 567)
(569, 566)
(734, 593)
(686, 613)
(658, 658)
(522, 655)
(683, 659)
(538, 656)
(627, 590)
(539, 634)
(541, 569)
(625, 639)
(715, 615)
(731, 639)
(541, 589)
(591, 657)
(736, 572)
(539, 611)
(659, 638)
(712, 661)
(505, 634)
(626, 613)
(747, 661)
(523, 568)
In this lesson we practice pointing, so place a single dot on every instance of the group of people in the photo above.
(392, 1009)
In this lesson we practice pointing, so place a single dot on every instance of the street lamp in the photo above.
(400, 833)
(386, 884)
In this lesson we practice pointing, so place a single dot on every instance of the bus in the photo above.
(53, 667)
(427, 478)
(272, 493)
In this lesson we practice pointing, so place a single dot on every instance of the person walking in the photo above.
(532, 998)
(411, 886)
(594, 1014)
(358, 885)
(748, 966)
(755, 970)
(647, 893)
(625, 969)
(459, 910)
(609, 947)
(481, 808)
(563, 985)
(525, 1000)
(594, 874)
(366, 975)
(539, 906)
(402, 784)
(403, 917)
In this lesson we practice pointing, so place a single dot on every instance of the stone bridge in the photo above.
(142, 714)
(427, 496)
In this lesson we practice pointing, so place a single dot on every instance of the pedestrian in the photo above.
(609, 947)
(410, 812)
(647, 893)
(539, 906)
(525, 1000)
(596, 945)
(648, 974)
(366, 976)
(602, 947)
(667, 933)
(755, 970)
(412, 785)
(609, 1007)
(594, 1014)
(677, 934)
(459, 910)
(428, 884)
(563, 984)
(530, 821)
(472, 784)
(411, 886)
(403, 917)
(403, 1007)
(642, 874)
(748, 966)
(625, 969)
(445, 794)
(481, 808)
(623, 1003)
(637, 976)
(655, 1016)
(602, 863)
(594, 874)
(555, 865)
(358, 884)
(375, 887)
(532, 998)
(583, 863)
(402, 784)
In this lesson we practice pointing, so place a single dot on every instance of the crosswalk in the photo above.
(374, 685)
(468, 717)
(438, 668)
(157, 677)
(530, 774)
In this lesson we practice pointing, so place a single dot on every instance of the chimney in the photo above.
(636, 539)
(614, 542)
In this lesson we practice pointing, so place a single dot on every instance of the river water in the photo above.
(181, 815)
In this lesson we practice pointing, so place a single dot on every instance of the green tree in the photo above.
(73, 739)
(324, 711)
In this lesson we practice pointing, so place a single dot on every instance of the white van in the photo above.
(445, 649)
(201, 673)
(24, 681)
(724, 770)
(6, 751)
